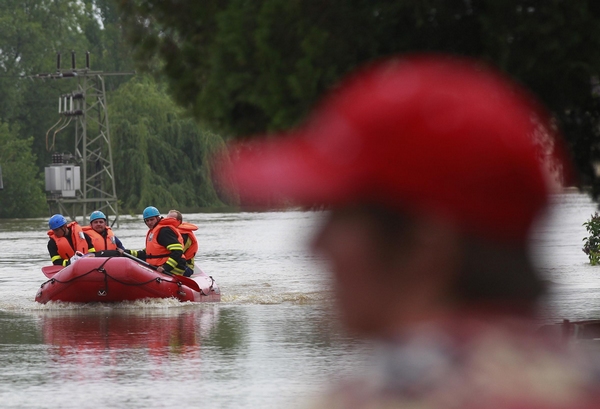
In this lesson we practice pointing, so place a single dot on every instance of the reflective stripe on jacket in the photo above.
(77, 237)
(156, 254)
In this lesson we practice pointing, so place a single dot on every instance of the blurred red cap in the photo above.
(426, 133)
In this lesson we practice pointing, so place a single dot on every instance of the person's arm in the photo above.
(175, 263)
(141, 254)
(118, 243)
(56, 259)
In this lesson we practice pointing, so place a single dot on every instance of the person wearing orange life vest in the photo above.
(190, 243)
(66, 239)
(104, 240)
(164, 244)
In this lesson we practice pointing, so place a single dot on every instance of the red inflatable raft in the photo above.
(114, 279)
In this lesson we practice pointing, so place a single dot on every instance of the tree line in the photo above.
(248, 67)
(160, 153)
(218, 69)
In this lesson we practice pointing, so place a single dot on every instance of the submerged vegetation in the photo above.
(591, 245)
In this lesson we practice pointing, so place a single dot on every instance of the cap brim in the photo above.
(284, 170)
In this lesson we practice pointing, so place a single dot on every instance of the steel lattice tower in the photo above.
(93, 153)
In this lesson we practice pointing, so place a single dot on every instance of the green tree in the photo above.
(591, 245)
(247, 67)
(22, 195)
(32, 32)
(160, 155)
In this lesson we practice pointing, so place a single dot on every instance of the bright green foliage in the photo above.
(591, 245)
(22, 195)
(160, 156)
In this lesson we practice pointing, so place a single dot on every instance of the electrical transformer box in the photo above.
(63, 180)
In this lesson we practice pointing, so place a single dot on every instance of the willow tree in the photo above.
(160, 155)
(253, 66)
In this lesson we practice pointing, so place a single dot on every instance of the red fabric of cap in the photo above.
(429, 133)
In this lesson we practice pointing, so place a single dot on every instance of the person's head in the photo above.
(151, 216)
(58, 224)
(98, 221)
(175, 214)
(394, 268)
(432, 170)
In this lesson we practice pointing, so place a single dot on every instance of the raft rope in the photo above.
(107, 276)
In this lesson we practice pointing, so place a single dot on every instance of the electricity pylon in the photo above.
(92, 154)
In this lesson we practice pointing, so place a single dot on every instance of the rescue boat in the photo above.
(115, 279)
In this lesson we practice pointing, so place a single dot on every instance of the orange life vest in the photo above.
(100, 242)
(64, 248)
(190, 247)
(156, 254)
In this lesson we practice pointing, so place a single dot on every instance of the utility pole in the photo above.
(84, 181)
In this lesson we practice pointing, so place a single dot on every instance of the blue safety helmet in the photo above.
(56, 221)
(150, 211)
(97, 214)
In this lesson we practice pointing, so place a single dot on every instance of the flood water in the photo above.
(271, 342)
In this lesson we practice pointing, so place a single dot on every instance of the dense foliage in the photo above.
(160, 156)
(591, 245)
(22, 195)
(171, 169)
(241, 67)
(252, 66)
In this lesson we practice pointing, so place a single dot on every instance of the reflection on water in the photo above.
(252, 355)
(18, 330)
(111, 339)
(271, 342)
(229, 333)
(160, 334)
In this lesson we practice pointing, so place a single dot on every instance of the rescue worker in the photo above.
(101, 234)
(431, 168)
(190, 243)
(164, 245)
(66, 239)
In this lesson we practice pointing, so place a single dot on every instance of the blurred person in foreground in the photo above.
(433, 178)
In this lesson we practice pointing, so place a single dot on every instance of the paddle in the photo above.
(50, 271)
(182, 279)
